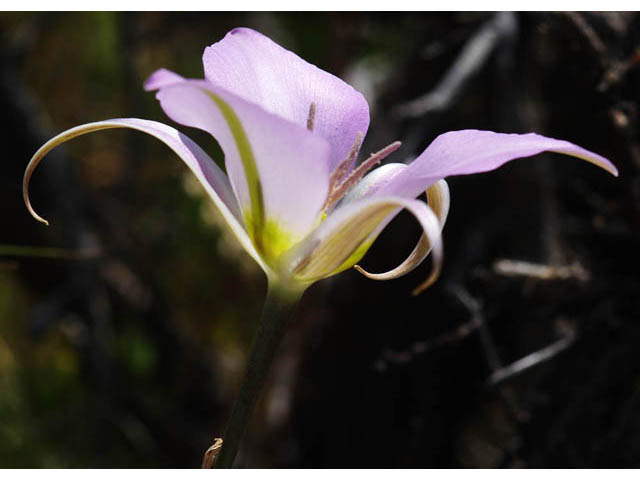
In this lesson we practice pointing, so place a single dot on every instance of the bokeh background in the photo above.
(124, 327)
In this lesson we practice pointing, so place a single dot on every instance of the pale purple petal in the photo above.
(252, 66)
(162, 78)
(203, 167)
(474, 151)
(292, 163)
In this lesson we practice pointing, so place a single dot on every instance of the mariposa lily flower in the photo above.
(294, 194)
(291, 134)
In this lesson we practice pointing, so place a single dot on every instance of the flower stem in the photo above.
(276, 314)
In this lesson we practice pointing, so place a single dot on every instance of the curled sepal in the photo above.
(343, 239)
(439, 200)
(203, 167)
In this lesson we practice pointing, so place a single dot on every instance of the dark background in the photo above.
(125, 346)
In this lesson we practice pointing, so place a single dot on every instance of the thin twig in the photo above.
(518, 268)
(474, 307)
(590, 35)
(614, 68)
(533, 359)
(617, 70)
(50, 252)
(417, 349)
(473, 57)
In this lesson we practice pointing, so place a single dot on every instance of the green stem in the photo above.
(276, 314)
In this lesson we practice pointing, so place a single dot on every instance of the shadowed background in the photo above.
(125, 325)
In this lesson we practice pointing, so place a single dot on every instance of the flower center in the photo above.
(274, 239)
(340, 182)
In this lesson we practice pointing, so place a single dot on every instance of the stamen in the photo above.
(311, 118)
(354, 177)
(343, 167)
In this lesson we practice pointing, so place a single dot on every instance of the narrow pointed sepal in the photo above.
(346, 235)
(203, 167)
